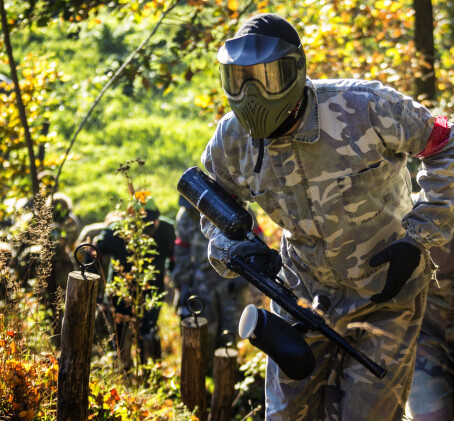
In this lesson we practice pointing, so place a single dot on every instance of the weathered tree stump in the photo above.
(224, 384)
(76, 345)
(194, 364)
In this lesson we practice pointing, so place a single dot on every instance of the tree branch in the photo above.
(107, 86)
(20, 103)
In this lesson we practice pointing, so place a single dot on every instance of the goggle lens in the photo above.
(275, 77)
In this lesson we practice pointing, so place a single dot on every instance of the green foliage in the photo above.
(250, 388)
(28, 363)
(28, 372)
(166, 103)
(159, 401)
(37, 85)
(134, 284)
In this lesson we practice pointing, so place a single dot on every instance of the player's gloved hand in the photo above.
(258, 253)
(403, 258)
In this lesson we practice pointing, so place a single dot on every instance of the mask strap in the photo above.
(292, 118)
(258, 164)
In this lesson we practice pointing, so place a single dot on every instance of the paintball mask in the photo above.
(263, 73)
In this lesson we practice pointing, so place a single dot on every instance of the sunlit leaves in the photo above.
(26, 386)
(38, 77)
(233, 6)
(203, 101)
(339, 37)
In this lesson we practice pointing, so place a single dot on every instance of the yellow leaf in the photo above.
(233, 5)
(27, 73)
(202, 101)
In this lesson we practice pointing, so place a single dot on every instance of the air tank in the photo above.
(212, 200)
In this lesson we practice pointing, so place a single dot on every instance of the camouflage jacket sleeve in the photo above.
(416, 132)
(219, 245)
(431, 221)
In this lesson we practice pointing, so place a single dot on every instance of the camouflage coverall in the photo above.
(432, 390)
(340, 189)
(224, 299)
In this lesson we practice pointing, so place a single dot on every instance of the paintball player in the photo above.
(68, 223)
(224, 299)
(326, 159)
(163, 232)
(89, 234)
(432, 390)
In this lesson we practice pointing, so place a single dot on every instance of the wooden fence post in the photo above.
(224, 384)
(76, 345)
(194, 332)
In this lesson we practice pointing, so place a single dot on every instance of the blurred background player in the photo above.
(193, 274)
(432, 391)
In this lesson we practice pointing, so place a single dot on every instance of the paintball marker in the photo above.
(286, 345)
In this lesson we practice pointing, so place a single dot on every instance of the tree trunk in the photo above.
(20, 104)
(76, 344)
(424, 41)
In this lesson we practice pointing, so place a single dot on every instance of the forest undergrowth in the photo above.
(30, 349)
(29, 368)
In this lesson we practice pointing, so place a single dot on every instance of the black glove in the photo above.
(258, 253)
(403, 259)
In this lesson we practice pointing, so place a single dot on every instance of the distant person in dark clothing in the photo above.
(224, 299)
(89, 234)
(109, 243)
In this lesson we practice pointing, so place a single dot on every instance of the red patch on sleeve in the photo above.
(257, 230)
(438, 138)
(180, 243)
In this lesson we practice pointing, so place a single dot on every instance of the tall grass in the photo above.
(28, 373)
(168, 149)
